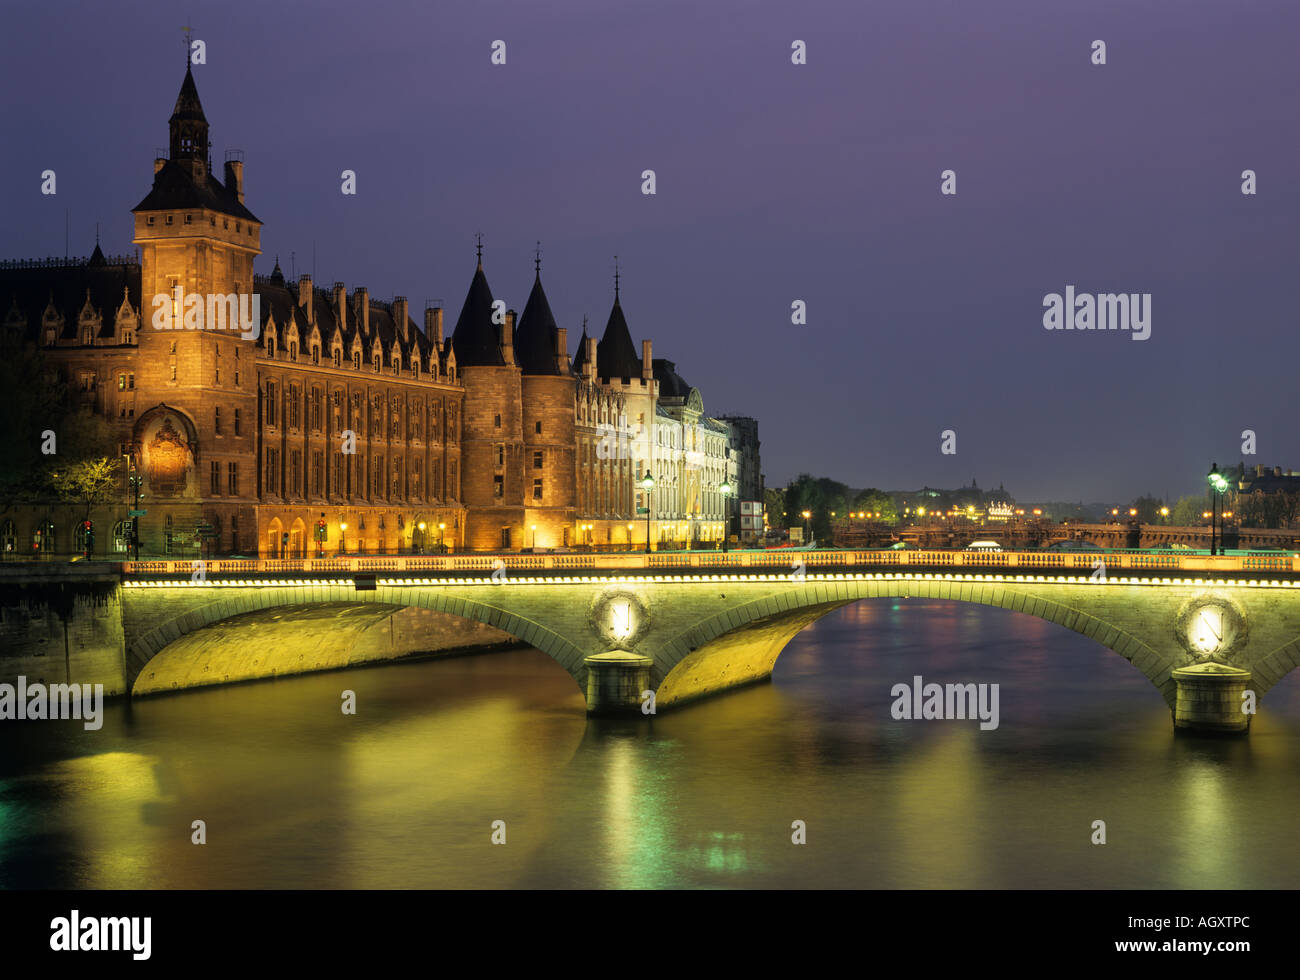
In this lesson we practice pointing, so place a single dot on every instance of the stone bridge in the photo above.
(685, 626)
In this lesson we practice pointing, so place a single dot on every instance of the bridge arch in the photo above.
(715, 653)
(477, 605)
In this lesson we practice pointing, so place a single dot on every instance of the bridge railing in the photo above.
(1083, 562)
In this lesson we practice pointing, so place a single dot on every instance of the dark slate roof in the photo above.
(671, 384)
(174, 188)
(291, 319)
(32, 289)
(616, 355)
(537, 336)
(188, 105)
(475, 338)
(580, 358)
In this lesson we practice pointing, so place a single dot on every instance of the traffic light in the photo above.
(320, 529)
(87, 536)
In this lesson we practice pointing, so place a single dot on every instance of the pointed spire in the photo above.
(537, 336)
(479, 249)
(615, 280)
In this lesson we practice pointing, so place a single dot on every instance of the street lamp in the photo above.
(343, 541)
(533, 527)
(725, 490)
(629, 536)
(1218, 484)
(647, 484)
(133, 485)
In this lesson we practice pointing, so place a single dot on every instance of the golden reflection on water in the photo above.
(405, 793)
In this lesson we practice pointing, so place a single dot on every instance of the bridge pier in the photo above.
(1209, 699)
(615, 681)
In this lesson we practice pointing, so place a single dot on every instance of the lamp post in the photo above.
(133, 485)
(807, 528)
(533, 528)
(1218, 484)
(647, 484)
(343, 541)
(725, 490)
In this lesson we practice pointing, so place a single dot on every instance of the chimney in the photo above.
(235, 178)
(647, 365)
(562, 349)
(508, 337)
(400, 313)
(305, 295)
(433, 324)
(159, 163)
(589, 363)
(361, 296)
(341, 305)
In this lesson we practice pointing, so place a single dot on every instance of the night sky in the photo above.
(776, 182)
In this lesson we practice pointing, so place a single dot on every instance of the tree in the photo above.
(87, 481)
(1148, 508)
(875, 501)
(774, 501)
(1187, 512)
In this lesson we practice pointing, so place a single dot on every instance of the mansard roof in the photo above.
(174, 189)
(537, 338)
(616, 355)
(671, 384)
(31, 289)
(475, 339)
(292, 322)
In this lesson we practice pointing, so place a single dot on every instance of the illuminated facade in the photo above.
(291, 407)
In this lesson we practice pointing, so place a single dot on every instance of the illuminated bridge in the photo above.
(684, 625)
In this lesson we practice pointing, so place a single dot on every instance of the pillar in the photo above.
(615, 681)
(1209, 698)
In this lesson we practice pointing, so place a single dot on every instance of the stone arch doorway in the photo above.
(297, 540)
(274, 547)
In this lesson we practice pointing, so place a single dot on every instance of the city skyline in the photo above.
(806, 183)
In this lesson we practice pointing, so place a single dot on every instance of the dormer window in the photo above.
(293, 350)
(170, 218)
(239, 227)
(356, 360)
(338, 357)
(149, 221)
(189, 219)
(376, 362)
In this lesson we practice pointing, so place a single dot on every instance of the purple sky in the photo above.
(775, 183)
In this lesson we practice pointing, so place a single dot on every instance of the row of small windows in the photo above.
(170, 219)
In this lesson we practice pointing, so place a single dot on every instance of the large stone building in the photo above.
(254, 411)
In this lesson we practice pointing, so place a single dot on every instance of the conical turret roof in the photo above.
(475, 339)
(616, 355)
(537, 337)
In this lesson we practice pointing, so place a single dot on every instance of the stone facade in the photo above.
(252, 410)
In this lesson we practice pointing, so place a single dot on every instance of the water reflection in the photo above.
(404, 793)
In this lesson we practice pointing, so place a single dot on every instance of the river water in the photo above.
(405, 793)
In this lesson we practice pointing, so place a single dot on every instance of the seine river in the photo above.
(405, 793)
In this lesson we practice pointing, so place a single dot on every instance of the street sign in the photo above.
(135, 513)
